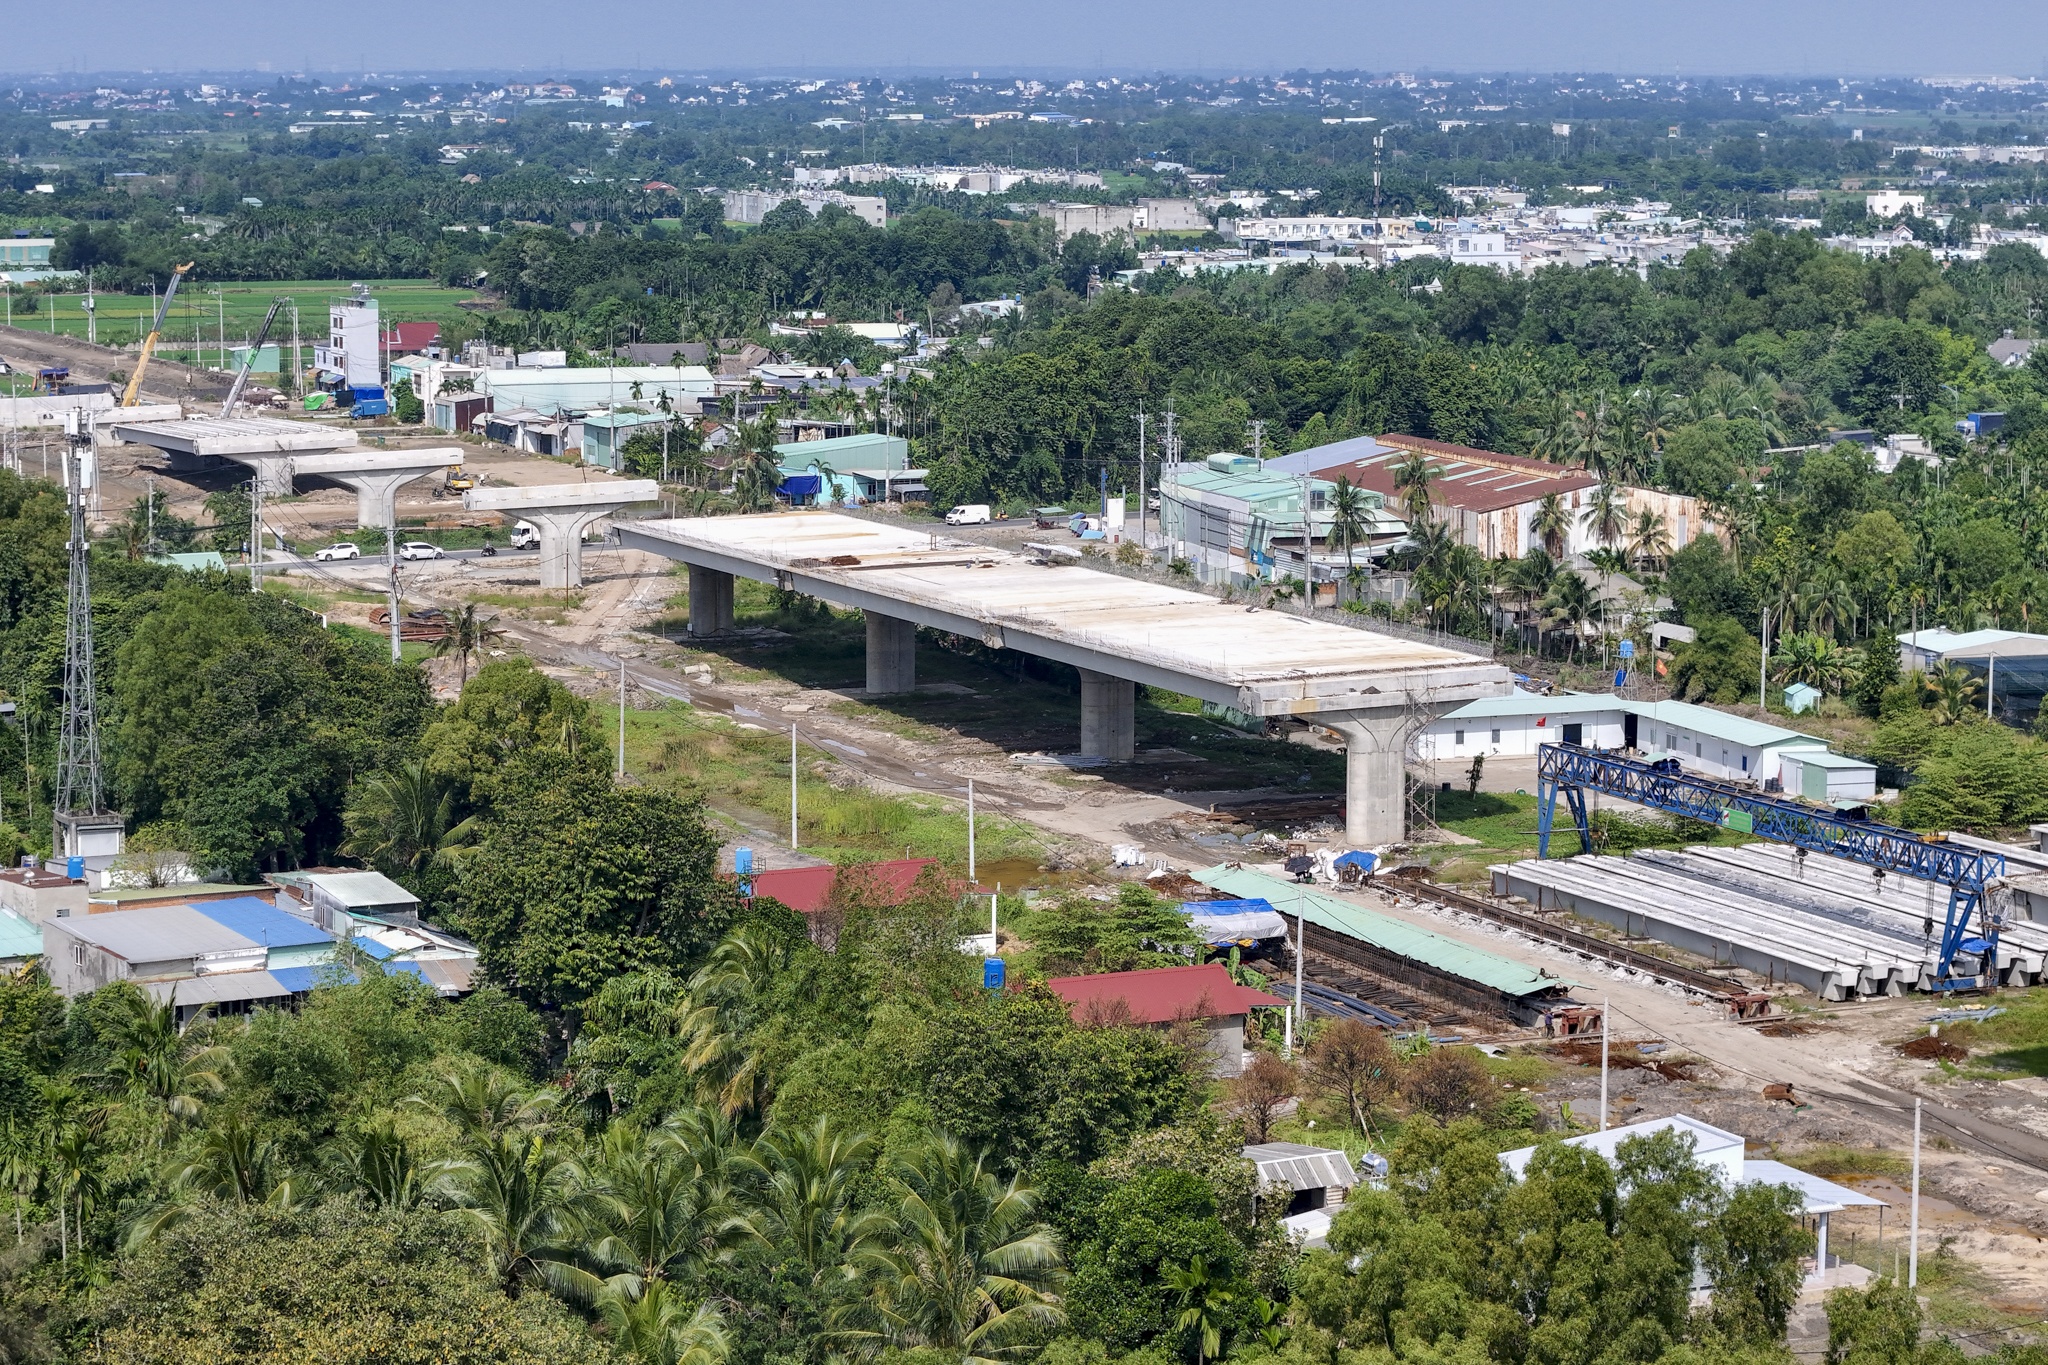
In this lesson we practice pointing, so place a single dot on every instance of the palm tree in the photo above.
(1350, 517)
(804, 1206)
(1649, 540)
(657, 1206)
(968, 1268)
(1953, 694)
(1606, 515)
(1531, 577)
(386, 1167)
(518, 1193)
(158, 1064)
(657, 1327)
(21, 1166)
(1205, 1307)
(404, 821)
(1552, 524)
(1569, 603)
(233, 1163)
(1554, 429)
(1411, 477)
(485, 1104)
(466, 635)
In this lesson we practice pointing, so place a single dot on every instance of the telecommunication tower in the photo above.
(83, 827)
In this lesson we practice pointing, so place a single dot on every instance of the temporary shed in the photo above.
(1818, 775)
(1801, 698)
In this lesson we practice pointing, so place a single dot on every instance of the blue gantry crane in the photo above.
(1663, 785)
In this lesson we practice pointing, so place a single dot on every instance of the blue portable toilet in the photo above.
(743, 861)
(992, 972)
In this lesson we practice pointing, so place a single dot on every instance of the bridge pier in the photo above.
(1375, 773)
(710, 601)
(1109, 707)
(892, 654)
(562, 513)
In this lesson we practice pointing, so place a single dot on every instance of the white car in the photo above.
(346, 549)
(418, 549)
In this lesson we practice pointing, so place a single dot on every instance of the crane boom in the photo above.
(156, 329)
(227, 409)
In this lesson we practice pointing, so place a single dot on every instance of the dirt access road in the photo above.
(1988, 1144)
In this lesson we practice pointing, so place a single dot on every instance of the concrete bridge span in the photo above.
(1375, 690)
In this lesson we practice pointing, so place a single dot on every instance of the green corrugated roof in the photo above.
(1382, 931)
(19, 938)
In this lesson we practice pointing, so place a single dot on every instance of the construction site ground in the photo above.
(1200, 793)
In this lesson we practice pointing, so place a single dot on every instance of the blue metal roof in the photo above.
(262, 923)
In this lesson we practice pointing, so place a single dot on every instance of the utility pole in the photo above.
(1763, 663)
(970, 831)
(622, 720)
(1143, 541)
(1606, 1030)
(391, 559)
(1171, 455)
(256, 534)
(792, 787)
(92, 331)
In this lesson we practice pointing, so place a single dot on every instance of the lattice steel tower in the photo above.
(82, 824)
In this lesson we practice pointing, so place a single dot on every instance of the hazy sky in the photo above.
(1973, 37)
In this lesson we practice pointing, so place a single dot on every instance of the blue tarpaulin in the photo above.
(1234, 921)
(800, 486)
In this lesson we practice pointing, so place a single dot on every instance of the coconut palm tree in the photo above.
(1569, 604)
(403, 822)
(660, 1205)
(1606, 515)
(1953, 694)
(1350, 517)
(466, 635)
(385, 1166)
(1411, 477)
(657, 1326)
(1554, 429)
(1530, 577)
(968, 1267)
(518, 1191)
(1649, 539)
(1552, 524)
(804, 1206)
(485, 1103)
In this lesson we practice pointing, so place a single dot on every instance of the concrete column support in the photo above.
(1375, 772)
(561, 543)
(892, 654)
(273, 474)
(1109, 707)
(711, 602)
(376, 496)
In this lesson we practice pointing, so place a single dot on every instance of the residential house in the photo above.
(1314, 1182)
(1161, 997)
(530, 430)
(1725, 1156)
(341, 899)
(822, 894)
(36, 894)
(411, 338)
(2010, 351)
(606, 432)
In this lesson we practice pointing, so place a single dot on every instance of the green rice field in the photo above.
(206, 313)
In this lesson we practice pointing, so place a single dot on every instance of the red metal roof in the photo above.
(1159, 995)
(1461, 476)
(807, 889)
(412, 336)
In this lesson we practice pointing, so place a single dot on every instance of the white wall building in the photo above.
(350, 352)
(1892, 203)
(1489, 249)
(1705, 741)
(751, 206)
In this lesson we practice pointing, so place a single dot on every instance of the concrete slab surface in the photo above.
(1262, 662)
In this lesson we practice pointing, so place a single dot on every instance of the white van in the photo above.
(525, 536)
(970, 514)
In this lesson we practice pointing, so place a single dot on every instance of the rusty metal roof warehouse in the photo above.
(1262, 662)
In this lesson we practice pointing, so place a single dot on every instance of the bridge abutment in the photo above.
(892, 654)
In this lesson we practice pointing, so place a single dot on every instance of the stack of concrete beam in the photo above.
(1819, 922)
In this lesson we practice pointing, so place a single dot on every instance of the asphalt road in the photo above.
(309, 562)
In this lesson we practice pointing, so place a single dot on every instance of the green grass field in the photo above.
(234, 310)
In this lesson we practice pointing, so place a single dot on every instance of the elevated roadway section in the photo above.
(1375, 690)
